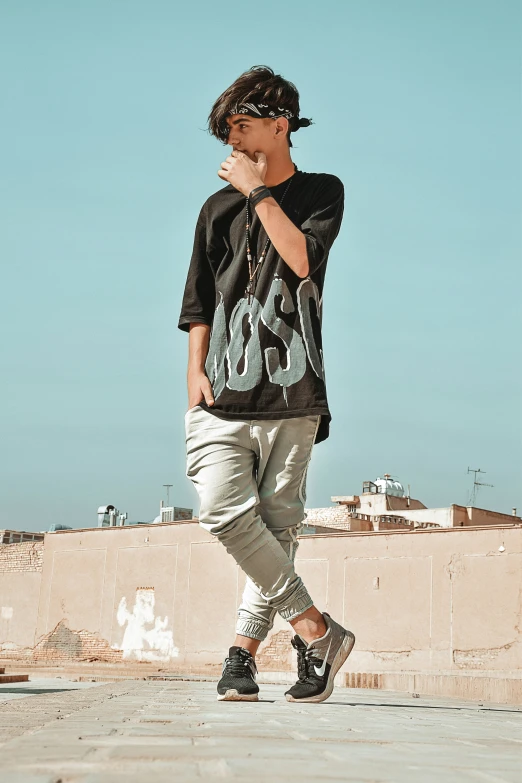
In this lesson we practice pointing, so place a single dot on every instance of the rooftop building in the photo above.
(384, 505)
(17, 536)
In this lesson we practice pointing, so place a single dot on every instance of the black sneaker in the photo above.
(238, 681)
(319, 662)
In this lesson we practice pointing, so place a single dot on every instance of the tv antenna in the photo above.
(168, 486)
(476, 485)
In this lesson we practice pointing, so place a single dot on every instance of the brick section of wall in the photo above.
(363, 680)
(62, 645)
(334, 517)
(276, 656)
(26, 556)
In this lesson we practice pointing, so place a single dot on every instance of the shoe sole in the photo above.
(342, 654)
(233, 695)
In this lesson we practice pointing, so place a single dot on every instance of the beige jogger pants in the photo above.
(251, 481)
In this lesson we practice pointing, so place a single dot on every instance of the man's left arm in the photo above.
(287, 239)
(300, 250)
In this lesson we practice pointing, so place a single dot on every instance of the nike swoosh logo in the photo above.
(320, 672)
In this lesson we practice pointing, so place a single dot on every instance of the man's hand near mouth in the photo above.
(243, 173)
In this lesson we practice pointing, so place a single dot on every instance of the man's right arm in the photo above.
(197, 312)
(199, 387)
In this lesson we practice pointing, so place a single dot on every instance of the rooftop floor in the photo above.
(132, 731)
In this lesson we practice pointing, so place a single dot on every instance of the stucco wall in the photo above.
(20, 584)
(426, 600)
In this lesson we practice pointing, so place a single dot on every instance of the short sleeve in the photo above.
(322, 227)
(200, 292)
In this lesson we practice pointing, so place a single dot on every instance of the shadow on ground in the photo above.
(35, 691)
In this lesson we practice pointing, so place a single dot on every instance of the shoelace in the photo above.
(305, 659)
(236, 665)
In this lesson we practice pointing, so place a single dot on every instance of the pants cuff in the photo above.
(253, 629)
(300, 603)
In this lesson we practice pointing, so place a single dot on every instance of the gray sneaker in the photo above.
(319, 662)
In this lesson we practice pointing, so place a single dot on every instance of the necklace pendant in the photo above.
(250, 289)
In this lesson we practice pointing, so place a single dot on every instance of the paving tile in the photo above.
(165, 730)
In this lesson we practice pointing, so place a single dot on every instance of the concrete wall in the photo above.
(437, 600)
(379, 503)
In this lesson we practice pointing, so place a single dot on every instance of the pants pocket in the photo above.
(194, 408)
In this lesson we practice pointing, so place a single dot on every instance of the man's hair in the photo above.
(259, 85)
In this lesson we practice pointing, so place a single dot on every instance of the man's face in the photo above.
(251, 135)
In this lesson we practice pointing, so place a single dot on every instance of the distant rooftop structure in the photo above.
(109, 516)
(385, 486)
(17, 536)
(174, 514)
(384, 505)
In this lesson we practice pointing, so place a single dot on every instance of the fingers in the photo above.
(206, 390)
(203, 391)
(260, 157)
(222, 174)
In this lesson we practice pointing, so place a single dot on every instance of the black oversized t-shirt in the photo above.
(265, 359)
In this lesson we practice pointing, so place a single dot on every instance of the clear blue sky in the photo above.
(105, 165)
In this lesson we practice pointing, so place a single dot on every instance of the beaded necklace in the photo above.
(253, 267)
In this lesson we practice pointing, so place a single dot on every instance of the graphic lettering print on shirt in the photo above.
(241, 357)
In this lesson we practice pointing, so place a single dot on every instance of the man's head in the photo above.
(257, 113)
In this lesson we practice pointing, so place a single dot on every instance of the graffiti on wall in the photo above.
(146, 637)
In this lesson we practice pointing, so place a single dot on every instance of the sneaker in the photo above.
(319, 662)
(238, 680)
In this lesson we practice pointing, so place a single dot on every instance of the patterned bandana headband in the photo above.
(265, 111)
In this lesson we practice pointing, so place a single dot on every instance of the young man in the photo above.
(256, 384)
